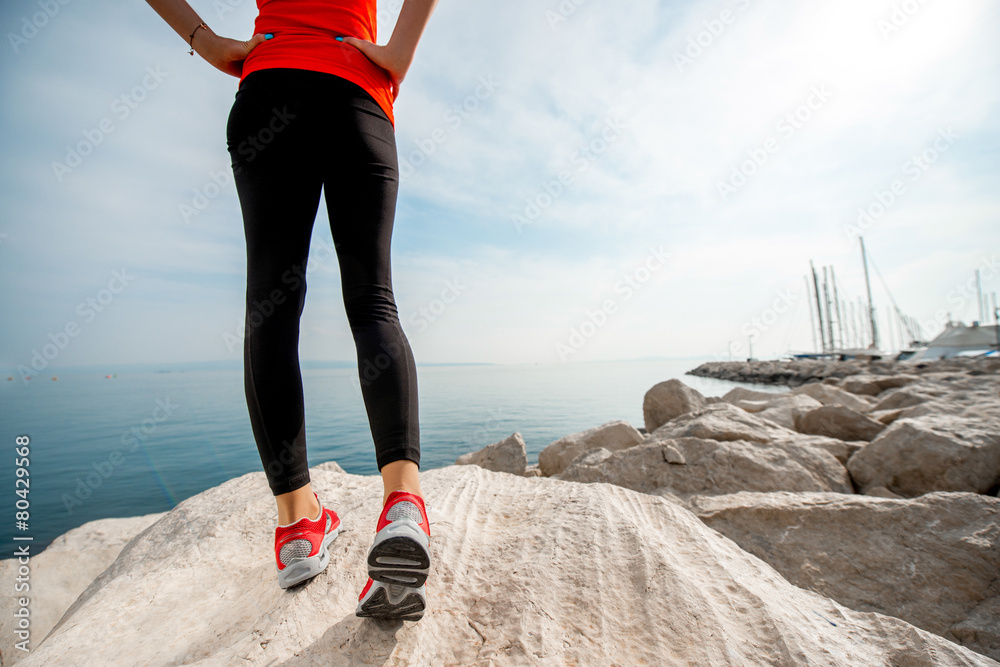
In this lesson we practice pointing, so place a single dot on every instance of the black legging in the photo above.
(292, 133)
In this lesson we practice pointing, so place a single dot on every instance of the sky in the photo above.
(582, 180)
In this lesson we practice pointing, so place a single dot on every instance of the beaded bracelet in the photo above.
(191, 38)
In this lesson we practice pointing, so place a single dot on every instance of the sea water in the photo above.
(141, 441)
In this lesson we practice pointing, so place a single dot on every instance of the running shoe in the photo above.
(401, 553)
(301, 548)
(380, 600)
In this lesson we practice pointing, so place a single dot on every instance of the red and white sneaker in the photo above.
(301, 549)
(380, 600)
(401, 552)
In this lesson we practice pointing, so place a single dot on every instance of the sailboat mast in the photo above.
(812, 320)
(829, 313)
(836, 304)
(868, 289)
(819, 308)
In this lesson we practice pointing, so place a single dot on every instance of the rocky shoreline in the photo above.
(852, 520)
(872, 483)
(802, 371)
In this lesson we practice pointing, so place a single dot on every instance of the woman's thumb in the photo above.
(252, 43)
(360, 44)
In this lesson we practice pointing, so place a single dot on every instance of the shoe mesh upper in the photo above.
(299, 548)
(404, 509)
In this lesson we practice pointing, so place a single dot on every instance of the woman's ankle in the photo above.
(401, 487)
(297, 504)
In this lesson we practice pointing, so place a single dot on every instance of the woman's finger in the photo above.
(252, 43)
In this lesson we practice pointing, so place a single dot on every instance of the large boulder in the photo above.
(524, 571)
(930, 453)
(744, 394)
(508, 455)
(59, 574)
(837, 421)
(931, 561)
(613, 435)
(722, 421)
(667, 400)
(725, 422)
(786, 409)
(686, 466)
(830, 395)
(873, 385)
(903, 397)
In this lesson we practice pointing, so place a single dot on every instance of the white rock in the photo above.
(667, 400)
(786, 410)
(931, 561)
(918, 455)
(830, 395)
(59, 574)
(837, 421)
(687, 466)
(744, 394)
(613, 435)
(524, 571)
(508, 455)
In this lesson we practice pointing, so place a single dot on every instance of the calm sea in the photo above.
(179, 432)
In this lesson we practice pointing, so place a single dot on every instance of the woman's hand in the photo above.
(393, 61)
(226, 55)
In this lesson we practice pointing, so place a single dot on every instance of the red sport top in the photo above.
(304, 32)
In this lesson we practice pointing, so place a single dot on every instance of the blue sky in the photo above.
(588, 182)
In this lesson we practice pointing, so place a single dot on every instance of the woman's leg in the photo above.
(271, 140)
(360, 185)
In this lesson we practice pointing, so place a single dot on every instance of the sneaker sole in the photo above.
(392, 601)
(400, 554)
(300, 569)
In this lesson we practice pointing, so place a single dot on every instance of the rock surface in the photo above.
(800, 371)
(60, 573)
(508, 455)
(931, 453)
(932, 561)
(873, 385)
(837, 421)
(786, 409)
(667, 400)
(686, 466)
(830, 395)
(613, 435)
(525, 571)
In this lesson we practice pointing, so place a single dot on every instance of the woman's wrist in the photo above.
(401, 57)
(202, 39)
